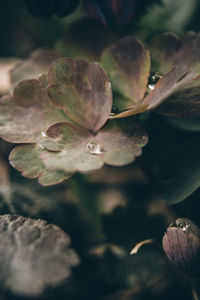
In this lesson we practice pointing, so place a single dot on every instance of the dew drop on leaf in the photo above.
(93, 148)
(153, 79)
(114, 111)
(43, 134)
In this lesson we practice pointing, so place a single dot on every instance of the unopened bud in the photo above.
(181, 243)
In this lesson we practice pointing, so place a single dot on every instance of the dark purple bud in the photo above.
(47, 8)
(181, 243)
(113, 13)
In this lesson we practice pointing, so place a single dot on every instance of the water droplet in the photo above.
(182, 225)
(153, 79)
(43, 134)
(114, 111)
(93, 148)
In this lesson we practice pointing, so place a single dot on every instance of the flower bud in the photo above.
(181, 243)
(113, 13)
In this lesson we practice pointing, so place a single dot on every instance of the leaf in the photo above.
(117, 144)
(6, 64)
(26, 158)
(181, 171)
(33, 255)
(82, 90)
(37, 63)
(184, 103)
(128, 65)
(168, 50)
(176, 80)
(27, 115)
(176, 93)
(188, 124)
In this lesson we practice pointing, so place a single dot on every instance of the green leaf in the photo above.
(128, 65)
(181, 171)
(27, 115)
(26, 159)
(82, 90)
(117, 144)
(33, 255)
(37, 63)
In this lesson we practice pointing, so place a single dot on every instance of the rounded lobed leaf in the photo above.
(28, 114)
(82, 90)
(26, 159)
(37, 63)
(128, 65)
(33, 255)
(117, 144)
(168, 50)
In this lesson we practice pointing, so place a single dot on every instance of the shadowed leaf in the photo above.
(82, 90)
(185, 102)
(176, 80)
(128, 65)
(33, 255)
(37, 63)
(176, 94)
(117, 144)
(26, 158)
(27, 115)
(168, 50)
(181, 171)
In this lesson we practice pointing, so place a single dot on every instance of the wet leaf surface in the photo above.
(82, 90)
(117, 144)
(26, 116)
(34, 255)
(175, 92)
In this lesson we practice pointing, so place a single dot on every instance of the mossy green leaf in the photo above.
(26, 159)
(128, 65)
(74, 149)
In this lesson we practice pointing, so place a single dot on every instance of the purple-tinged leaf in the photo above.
(168, 50)
(128, 65)
(82, 90)
(34, 255)
(26, 116)
(175, 80)
(37, 63)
